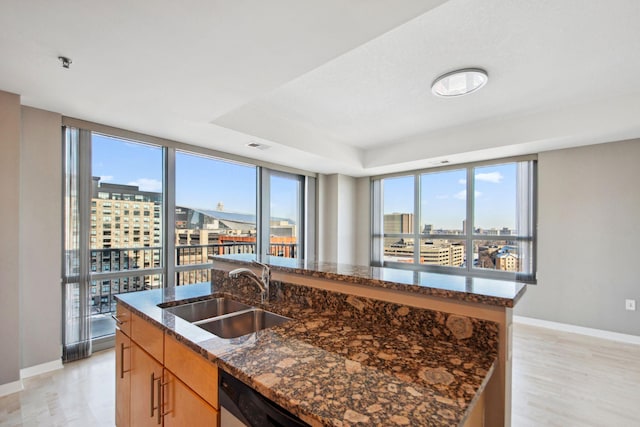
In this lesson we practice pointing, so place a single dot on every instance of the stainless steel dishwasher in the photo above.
(243, 406)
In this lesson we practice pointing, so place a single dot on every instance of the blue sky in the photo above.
(200, 182)
(443, 197)
(203, 183)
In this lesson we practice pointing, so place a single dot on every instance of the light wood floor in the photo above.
(80, 395)
(565, 380)
(559, 380)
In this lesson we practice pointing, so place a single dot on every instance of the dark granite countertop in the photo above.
(331, 367)
(503, 293)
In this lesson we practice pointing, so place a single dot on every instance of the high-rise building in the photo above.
(125, 234)
(442, 254)
(398, 223)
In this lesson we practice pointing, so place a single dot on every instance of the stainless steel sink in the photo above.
(242, 323)
(207, 309)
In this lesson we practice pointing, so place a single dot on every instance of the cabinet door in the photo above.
(123, 379)
(198, 373)
(123, 319)
(146, 388)
(182, 407)
(148, 336)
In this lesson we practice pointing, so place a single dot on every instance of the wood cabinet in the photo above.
(146, 388)
(192, 369)
(123, 320)
(183, 407)
(160, 381)
(123, 366)
(149, 337)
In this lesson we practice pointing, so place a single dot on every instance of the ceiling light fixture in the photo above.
(459, 82)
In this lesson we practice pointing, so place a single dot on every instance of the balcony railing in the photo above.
(118, 270)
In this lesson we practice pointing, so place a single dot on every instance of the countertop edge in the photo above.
(385, 284)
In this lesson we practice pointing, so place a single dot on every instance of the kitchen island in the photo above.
(345, 358)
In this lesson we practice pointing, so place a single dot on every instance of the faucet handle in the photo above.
(265, 267)
(266, 272)
(254, 262)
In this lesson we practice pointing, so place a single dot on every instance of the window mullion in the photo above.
(169, 199)
(263, 212)
(377, 225)
(416, 219)
(468, 229)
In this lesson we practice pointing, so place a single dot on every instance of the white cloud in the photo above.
(147, 184)
(462, 195)
(442, 196)
(493, 177)
(106, 178)
(462, 181)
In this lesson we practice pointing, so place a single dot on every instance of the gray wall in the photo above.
(588, 238)
(30, 190)
(40, 236)
(9, 244)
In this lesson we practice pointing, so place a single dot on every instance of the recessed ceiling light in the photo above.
(459, 82)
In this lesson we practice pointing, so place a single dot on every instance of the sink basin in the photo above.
(201, 310)
(246, 322)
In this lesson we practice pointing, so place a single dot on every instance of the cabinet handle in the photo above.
(118, 321)
(152, 398)
(122, 371)
(163, 399)
(152, 405)
(159, 417)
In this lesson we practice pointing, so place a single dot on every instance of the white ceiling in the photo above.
(334, 86)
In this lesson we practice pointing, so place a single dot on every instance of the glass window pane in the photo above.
(443, 201)
(215, 211)
(495, 200)
(444, 252)
(284, 218)
(119, 166)
(398, 205)
(398, 208)
(502, 255)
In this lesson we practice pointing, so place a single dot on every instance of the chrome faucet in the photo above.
(262, 281)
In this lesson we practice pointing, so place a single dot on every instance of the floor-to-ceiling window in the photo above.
(286, 223)
(125, 223)
(215, 213)
(143, 214)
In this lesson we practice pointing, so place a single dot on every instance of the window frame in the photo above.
(170, 270)
(468, 235)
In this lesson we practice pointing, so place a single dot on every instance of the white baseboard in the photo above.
(10, 388)
(41, 368)
(565, 327)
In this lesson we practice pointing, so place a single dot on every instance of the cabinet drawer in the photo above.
(123, 319)
(194, 370)
(148, 337)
